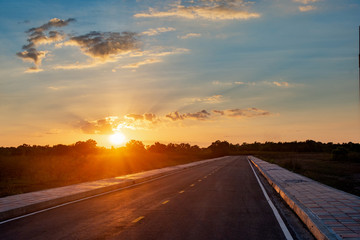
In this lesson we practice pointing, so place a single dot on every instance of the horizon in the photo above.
(116, 146)
(179, 71)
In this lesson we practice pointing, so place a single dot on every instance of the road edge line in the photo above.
(273, 208)
(318, 229)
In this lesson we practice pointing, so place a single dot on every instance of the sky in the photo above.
(179, 71)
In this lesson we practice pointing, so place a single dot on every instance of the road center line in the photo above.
(182, 191)
(276, 213)
(138, 219)
(192, 185)
(165, 202)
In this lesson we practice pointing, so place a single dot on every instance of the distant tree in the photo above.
(135, 146)
(220, 148)
(157, 147)
(87, 147)
(60, 149)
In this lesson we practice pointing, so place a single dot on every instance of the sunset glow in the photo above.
(117, 138)
(178, 71)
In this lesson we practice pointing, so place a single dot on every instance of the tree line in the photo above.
(342, 151)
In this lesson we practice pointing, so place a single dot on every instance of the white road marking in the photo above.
(276, 213)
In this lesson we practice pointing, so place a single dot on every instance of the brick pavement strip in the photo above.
(327, 212)
(22, 204)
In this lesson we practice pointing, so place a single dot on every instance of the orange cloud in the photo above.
(156, 31)
(281, 84)
(209, 10)
(306, 8)
(145, 62)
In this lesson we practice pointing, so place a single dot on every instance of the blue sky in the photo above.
(179, 71)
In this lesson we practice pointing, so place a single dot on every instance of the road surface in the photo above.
(220, 200)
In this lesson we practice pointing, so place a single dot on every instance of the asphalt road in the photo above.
(220, 200)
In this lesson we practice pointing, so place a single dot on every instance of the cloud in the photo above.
(134, 117)
(113, 124)
(209, 10)
(306, 1)
(55, 22)
(156, 31)
(102, 126)
(211, 100)
(190, 35)
(154, 55)
(281, 84)
(105, 45)
(242, 113)
(142, 117)
(146, 121)
(306, 5)
(32, 55)
(202, 115)
(77, 65)
(33, 70)
(144, 62)
(222, 83)
(233, 83)
(306, 8)
(150, 117)
(39, 36)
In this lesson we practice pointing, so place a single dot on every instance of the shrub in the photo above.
(339, 154)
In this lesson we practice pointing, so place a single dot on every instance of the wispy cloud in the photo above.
(190, 35)
(141, 63)
(282, 84)
(211, 100)
(242, 113)
(202, 115)
(33, 70)
(209, 10)
(306, 8)
(306, 5)
(305, 1)
(156, 31)
(152, 56)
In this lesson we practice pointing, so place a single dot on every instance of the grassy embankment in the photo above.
(343, 175)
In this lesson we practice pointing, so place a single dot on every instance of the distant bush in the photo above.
(339, 154)
(354, 156)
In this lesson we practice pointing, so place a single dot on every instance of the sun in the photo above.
(117, 138)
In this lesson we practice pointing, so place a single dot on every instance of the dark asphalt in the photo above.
(220, 200)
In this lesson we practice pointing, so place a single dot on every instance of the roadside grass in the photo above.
(21, 174)
(343, 175)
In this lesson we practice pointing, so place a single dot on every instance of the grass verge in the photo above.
(343, 175)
